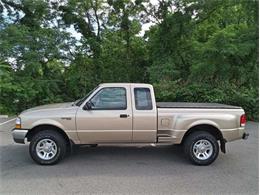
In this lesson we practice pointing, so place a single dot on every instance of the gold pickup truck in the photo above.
(125, 113)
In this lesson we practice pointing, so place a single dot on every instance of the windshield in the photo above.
(80, 101)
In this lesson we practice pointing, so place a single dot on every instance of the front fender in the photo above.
(47, 122)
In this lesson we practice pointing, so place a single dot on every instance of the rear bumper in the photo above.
(234, 134)
(19, 135)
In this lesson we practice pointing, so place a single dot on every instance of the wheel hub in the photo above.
(203, 149)
(46, 149)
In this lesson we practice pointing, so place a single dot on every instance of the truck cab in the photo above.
(121, 113)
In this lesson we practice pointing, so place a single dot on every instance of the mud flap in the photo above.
(70, 147)
(223, 145)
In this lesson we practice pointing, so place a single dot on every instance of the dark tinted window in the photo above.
(111, 98)
(143, 100)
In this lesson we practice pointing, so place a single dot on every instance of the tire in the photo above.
(201, 148)
(47, 147)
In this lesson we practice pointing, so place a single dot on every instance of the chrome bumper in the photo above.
(19, 135)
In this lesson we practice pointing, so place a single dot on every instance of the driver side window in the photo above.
(110, 98)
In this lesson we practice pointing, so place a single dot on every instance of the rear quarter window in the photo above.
(143, 100)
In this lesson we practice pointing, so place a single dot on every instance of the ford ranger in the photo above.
(123, 113)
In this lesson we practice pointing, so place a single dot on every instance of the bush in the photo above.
(226, 93)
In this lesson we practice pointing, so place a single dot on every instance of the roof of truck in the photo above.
(116, 84)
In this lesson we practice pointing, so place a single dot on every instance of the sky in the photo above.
(77, 35)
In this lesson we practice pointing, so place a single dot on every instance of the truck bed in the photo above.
(194, 105)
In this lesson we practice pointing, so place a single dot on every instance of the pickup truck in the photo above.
(124, 113)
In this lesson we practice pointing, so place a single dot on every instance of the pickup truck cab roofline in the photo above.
(125, 84)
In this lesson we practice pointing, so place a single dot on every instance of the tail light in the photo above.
(243, 120)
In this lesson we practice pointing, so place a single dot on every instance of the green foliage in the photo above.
(225, 93)
(196, 51)
(210, 57)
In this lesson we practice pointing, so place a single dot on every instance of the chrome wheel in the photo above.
(46, 149)
(203, 149)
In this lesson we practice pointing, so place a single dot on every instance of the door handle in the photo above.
(124, 115)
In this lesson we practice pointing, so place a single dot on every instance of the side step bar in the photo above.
(165, 139)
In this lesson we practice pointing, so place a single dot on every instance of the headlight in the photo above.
(18, 123)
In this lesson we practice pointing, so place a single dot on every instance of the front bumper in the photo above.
(19, 135)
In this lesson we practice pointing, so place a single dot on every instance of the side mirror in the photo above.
(87, 106)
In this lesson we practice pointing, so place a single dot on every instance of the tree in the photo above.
(202, 51)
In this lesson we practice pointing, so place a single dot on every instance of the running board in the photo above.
(165, 139)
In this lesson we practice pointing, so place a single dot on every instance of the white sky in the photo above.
(77, 35)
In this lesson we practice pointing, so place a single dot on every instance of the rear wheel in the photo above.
(201, 148)
(47, 147)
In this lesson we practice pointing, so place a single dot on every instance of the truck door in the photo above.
(144, 114)
(109, 119)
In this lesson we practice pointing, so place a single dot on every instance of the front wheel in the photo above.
(47, 147)
(201, 148)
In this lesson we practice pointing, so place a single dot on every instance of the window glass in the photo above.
(110, 98)
(143, 100)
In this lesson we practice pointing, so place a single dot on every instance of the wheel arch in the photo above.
(213, 130)
(43, 127)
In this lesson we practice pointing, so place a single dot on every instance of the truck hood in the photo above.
(49, 106)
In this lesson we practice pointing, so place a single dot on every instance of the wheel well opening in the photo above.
(39, 128)
(207, 128)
